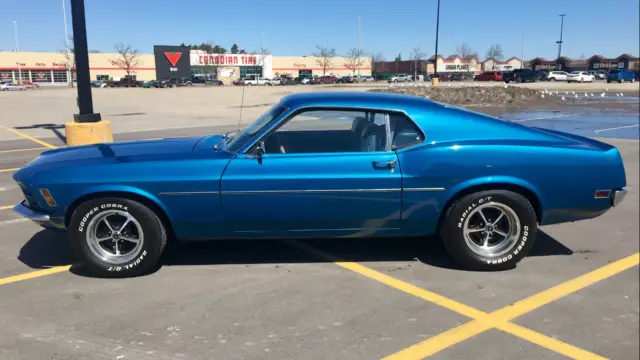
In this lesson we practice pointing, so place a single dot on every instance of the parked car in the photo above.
(346, 80)
(327, 79)
(29, 85)
(620, 75)
(400, 78)
(580, 76)
(520, 76)
(418, 168)
(542, 75)
(12, 87)
(557, 76)
(489, 76)
(125, 81)
(461, 76)
(442, 77)
(214, 82)
(305, 80)
(274, 81)
(176, 82)
(99, 84)
(286, 80)
(600, 75)
(151, 84)
(254, 80)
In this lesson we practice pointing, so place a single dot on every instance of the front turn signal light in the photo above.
(47, 197)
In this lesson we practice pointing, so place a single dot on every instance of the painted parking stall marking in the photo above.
(482, 321)
(29, 137)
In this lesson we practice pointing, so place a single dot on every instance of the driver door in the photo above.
(328, 172)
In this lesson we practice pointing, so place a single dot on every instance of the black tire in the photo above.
(552, 79)
(154, 237)
(608, 81)
(455, 219)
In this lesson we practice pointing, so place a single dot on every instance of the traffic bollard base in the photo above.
(88, 133)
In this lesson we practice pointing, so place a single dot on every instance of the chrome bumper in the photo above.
(617, 196)
(24, 211)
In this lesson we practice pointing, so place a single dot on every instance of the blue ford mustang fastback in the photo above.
(324, 165)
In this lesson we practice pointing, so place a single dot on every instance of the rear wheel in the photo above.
(489, 230)
(116, 237)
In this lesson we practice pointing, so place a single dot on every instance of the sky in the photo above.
(296, 27)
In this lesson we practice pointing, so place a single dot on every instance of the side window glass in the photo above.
(329, 131)
(404, 132)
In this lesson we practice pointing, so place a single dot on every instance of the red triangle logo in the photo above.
(173, 57)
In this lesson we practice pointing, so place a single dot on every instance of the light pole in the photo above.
(435, 57)
(85, 101)
(15, 32)
(522, 52)
(559, 42)
(358, 48)
(66, 41)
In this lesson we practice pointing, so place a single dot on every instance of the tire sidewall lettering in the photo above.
(524, 236)
(131, 264)
(468, 210)
(96, 209)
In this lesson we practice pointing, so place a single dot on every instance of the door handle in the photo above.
(384, 164)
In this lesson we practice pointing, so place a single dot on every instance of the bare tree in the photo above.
(354, 59)
(325, 57)
(69, 55)
(495, 52)
(582, 57)
(128, 57)
(416, 56)
(465, 52)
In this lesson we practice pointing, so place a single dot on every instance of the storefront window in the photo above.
(102, 77)
(250, 70)
(59, 76)
(24, 77)
(305, 73)
(41, 76)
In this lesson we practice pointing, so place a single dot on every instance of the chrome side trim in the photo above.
(187, 193)
(424, 189)
(317, 191)
(24, 211)
(618, 196)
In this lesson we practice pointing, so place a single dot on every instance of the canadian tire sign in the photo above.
(171, 62)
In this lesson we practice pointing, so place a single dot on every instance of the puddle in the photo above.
(591, 123)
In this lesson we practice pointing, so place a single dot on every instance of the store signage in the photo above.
(299, 65)
(5, 75)
(227, 59)
(608, 65)
(58, 64)
(41, 75)
(173, 58)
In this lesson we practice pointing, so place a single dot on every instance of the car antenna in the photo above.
(241, 107)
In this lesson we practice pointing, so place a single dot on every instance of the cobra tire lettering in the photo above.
(471, 207)
(94, 210)
(521, 243)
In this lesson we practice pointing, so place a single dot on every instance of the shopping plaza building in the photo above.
(51, 68)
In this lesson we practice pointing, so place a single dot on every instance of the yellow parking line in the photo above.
(20, 150)
(34, 274)
(6, 207)
(9, 170)
(483, 321)
(500, 319)
(20, 133)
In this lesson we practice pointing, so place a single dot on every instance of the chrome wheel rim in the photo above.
(115, 237)
(492, 229)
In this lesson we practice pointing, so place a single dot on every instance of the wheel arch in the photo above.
(519, 187)
(152, 204)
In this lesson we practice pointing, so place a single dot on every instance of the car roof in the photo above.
(372, 100)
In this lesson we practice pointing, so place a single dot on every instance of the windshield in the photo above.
(247, 134)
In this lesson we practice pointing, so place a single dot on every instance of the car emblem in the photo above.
(173, 57)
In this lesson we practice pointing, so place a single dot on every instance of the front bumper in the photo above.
(24, 211)
(617, 196)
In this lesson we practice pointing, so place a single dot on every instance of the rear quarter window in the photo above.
(404, 132)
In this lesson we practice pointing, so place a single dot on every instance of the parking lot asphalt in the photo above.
(575, 296)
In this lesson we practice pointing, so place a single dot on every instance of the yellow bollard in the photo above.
(88, 133)
(434, 81)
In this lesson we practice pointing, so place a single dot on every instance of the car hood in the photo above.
(130, 151)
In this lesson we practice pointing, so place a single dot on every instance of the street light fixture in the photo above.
(559, 42)
(435, 57)
(15, 33)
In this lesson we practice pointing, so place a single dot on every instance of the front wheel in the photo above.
(116, 237)
(552, 79)
(489, 230)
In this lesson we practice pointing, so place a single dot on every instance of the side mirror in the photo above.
(259, 150)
